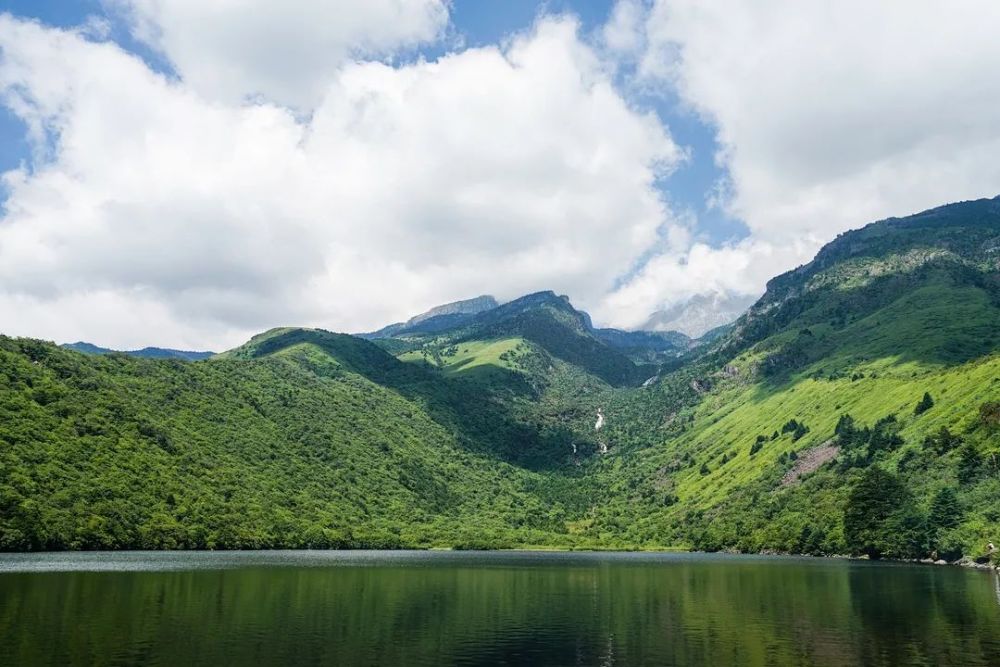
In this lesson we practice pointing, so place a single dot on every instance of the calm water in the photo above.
(419, 608)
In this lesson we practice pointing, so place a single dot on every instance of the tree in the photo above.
(800, 430)
(943, 441)
(845, 430)
(970, 464)
(884, 435)
(945, 509)
(879, 519)
(704, 469)
(925, 404)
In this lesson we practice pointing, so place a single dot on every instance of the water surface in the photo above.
(514, 608)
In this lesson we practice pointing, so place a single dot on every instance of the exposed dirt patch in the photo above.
(810, 461)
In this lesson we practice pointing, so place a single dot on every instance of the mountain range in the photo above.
(854, 408)
(146, 352)
(700, 314)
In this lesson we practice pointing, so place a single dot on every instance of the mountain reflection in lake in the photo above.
(440, 608)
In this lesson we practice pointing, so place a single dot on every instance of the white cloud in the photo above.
(287, 51)
(671, 277)
(828, 116)
(624, 32)
(163, 210)
(834, 114)
(165, 218)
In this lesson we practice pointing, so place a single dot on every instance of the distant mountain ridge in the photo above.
(700, 314)
(146, 352)
(438, 318)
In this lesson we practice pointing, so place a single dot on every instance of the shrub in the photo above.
(989, 414)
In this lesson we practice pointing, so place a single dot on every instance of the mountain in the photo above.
(146, 352)
(299, 438)
(551, 322)
(700, 314)
(876, 363)
(854, 408)
(437, 318)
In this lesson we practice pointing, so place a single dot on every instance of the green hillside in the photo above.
(881, 317)
(290, 449)
(854, 409)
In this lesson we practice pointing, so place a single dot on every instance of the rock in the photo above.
(940, 562)
(809, 461)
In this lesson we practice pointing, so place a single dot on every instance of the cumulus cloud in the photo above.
(160, 216)
(828, 116)
(292, 169)
(284, 50)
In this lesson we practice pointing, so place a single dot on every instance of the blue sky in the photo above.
(478, 23)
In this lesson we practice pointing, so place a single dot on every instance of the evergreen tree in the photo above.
(884, 436)
(873, 510)
(800, 430)
(945, 509)
(925, 404)
(845, 430)
(970, 464)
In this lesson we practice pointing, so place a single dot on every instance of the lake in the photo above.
(513, 608)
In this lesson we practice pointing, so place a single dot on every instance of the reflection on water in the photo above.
(412, 608)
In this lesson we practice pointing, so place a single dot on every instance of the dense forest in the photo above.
(854, 409)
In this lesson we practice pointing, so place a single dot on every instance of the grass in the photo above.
(464, 357)
(731, 420)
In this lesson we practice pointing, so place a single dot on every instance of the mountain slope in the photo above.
(438, 318)
(284, 447)
(548, 321)
(882, 316)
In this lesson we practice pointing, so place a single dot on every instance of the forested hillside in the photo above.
(296, 448)
(854, 409)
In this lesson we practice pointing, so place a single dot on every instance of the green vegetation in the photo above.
(289, 449)
(854, 409)
(925, 404)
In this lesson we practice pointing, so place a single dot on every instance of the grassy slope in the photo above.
(470, 355)
(931, 339)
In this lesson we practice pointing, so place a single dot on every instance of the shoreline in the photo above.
(964, 562)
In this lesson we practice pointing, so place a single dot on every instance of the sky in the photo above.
(186, 174)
